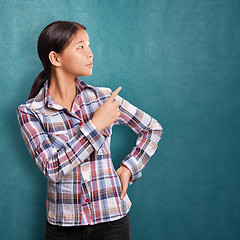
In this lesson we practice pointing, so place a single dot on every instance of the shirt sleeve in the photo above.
(54, 163)
(149, 133)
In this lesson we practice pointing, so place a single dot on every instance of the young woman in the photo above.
(66, 125)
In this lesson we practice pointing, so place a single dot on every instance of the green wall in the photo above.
(176, 60)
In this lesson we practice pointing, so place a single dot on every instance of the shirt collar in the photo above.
(43, 98)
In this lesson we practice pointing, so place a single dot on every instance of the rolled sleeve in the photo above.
(133, 165)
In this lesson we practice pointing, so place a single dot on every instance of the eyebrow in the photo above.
(81, 41)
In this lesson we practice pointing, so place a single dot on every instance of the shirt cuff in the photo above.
(133, 165)
(92, 133)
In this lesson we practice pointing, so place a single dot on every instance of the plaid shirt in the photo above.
(83, 186)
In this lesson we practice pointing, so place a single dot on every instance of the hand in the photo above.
(124, 174)
(109, 112)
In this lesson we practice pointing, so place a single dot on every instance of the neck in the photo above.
(62, 86)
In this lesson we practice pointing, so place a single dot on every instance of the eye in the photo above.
(82, 46)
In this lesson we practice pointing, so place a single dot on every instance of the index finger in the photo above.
(114, 94)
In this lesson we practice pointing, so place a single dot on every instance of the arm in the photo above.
(56, 164)
(149, 133)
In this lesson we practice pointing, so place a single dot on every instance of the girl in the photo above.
(66, 125)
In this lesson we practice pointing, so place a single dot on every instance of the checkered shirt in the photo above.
(83, 187)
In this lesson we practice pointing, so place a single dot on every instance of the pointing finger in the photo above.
(114, 94)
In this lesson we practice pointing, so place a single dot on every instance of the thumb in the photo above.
(124, 191)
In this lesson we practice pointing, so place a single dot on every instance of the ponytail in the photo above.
(38, 83)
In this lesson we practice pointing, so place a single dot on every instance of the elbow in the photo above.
(157, 128)
(160, 129)
(156, 131)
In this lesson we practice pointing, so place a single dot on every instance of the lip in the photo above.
(90, 65)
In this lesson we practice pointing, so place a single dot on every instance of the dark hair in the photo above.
(54, 37)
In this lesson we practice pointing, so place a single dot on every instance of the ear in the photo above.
(54, 59)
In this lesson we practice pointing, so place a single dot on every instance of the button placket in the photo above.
(85, 170)
(86, 190)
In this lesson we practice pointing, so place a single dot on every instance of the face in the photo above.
(77, 56)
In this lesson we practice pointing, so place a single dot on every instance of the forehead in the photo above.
(80, 35)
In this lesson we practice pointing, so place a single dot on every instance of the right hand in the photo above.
(109, 112)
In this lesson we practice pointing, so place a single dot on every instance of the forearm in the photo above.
(54, 162)
(73, 153)
(146, 145)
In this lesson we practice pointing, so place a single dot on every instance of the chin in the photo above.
(89, 74)
(85, 73)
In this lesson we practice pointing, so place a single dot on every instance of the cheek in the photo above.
(73, 60)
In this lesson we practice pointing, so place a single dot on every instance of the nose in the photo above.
(90, 54)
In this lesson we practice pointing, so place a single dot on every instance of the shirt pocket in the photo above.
(104, 150)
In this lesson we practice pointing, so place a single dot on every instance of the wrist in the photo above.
(96, 125)
(126, 168)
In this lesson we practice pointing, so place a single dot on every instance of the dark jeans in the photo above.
(114, 230)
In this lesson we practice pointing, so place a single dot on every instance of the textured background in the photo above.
(176, 60)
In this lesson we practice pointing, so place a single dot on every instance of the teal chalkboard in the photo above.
(179, 61)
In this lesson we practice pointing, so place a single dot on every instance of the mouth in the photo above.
(90, 64)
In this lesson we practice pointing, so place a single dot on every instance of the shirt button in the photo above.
(86, 160)
(80, 123)
(87, 200)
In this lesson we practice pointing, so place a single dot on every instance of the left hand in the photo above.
(124, 175)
